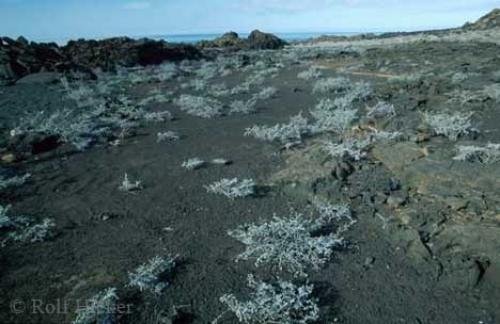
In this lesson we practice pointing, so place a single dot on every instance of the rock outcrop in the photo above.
(257, 40)
(122, 51)
(228, 40)
(488, 21)
(78, 59)
(260, 40)
(19, 58)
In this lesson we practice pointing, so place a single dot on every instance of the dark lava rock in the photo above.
(257, 40)
(342, 170)
(228, 40)
(110, 53)
(30, 143)
(77, 59)
(260, 40)
(19, 58)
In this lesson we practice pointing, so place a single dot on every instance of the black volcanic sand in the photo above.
(416, 267)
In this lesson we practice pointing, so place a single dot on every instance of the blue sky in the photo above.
(60, 19)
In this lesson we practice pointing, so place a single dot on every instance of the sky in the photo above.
(64, 19)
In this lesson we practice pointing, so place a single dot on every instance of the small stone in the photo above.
(379, 198)
(396, 200)
(369, 261)
(394, 184)
(8, 158)
(422, 137)
(456, 203)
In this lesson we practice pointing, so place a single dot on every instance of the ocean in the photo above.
(193, 38)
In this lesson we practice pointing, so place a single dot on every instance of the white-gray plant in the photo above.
(288, 243)
(159, 117)
(360, 91)
(464, 97)
(34, 232)
(294, 130)
(265, 93)
(130, 186)
(386, 136)
(167, 136)
(232, 188)
(332, 85)
(331, 213)
(283, 303)
(243, 107)
(219, 90)
(451, 126)
(488, 154)
(198, 84)
(240, 89)
(101, 308)
(14, 181)
(207, 70)
(167, 72)
(153, 275)
(310, 74)
(200, 106)
(332, 119)
(193, 163)
(382, 110)
(350, 148)
(5, 220)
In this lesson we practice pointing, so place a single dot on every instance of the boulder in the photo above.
(19, 58)
(40, 78)
(260, 40)
(257, 40)
(228, 40)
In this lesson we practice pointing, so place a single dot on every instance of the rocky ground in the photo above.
(402, 132)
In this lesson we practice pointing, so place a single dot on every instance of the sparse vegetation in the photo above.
(100, 309)
(167, 136)
(243, 107)
(265, 93)
(332, 85)
(310, 74)
(294, 130)
(382, 110)
(488, 154)
(154, 275)
(15, 181)
(193, 164)
(232, 188)
(200, 106)
(31, 233)
(332, 120)
(287, 243)
(281, 303)
(158, 116)
(450, 125)
(130, 186)
(4, 218)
